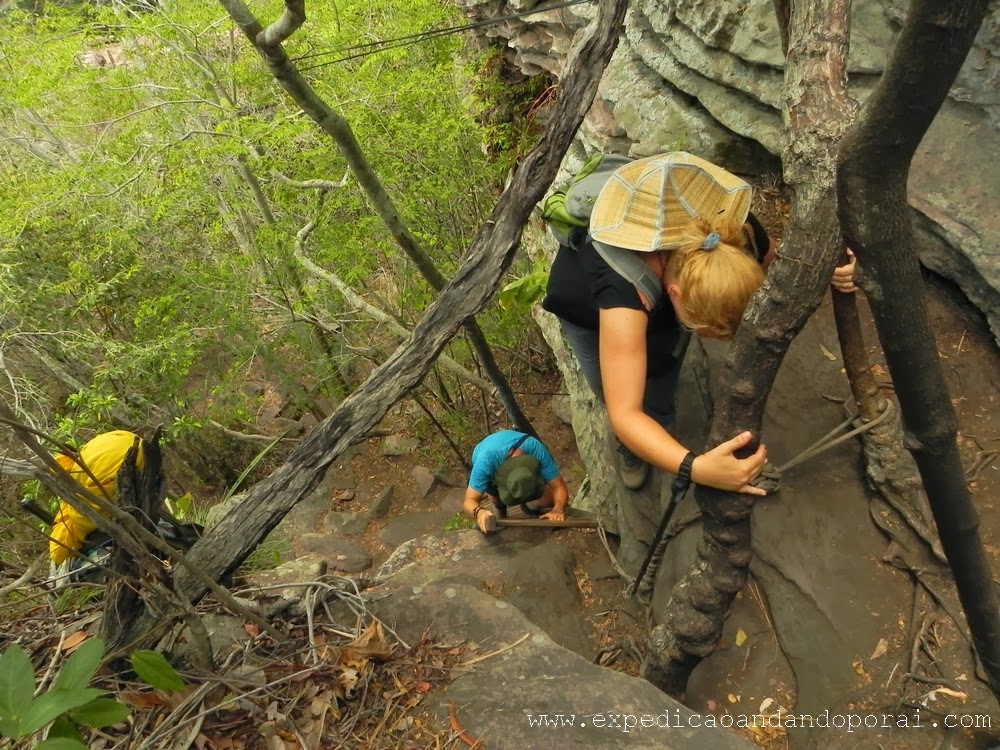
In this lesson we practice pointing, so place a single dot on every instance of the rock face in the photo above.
(527, 686)
(707, 75)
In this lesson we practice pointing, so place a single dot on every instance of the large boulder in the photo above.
(707, 76)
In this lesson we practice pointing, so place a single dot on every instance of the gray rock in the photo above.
(346, 524)
(399, 445)
(601, 569)
(452, 500)
(498, 699)
(409, 525)
(451, 476)
(562, 407)
(708, 74)
(299, 570)
(339, 554)
(343, 480)
(382, 504)
(424, 480)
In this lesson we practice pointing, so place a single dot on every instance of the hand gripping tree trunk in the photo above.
(268, 43)
(227, 545)
(874, 162)
(818, 112)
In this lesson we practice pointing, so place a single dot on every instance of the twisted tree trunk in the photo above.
(268, 43)
(819, 110)
(227, 545)
(874, 163)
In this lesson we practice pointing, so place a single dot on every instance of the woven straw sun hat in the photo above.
(646, 203)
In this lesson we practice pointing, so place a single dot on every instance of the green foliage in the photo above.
(526, 290)
(147, 266)
(458, 522)
(76, 596)
(267, 555)
(66, 705)
(153, 667)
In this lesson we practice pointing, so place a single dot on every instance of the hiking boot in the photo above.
(632, 469)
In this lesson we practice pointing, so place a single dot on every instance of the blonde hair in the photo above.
(715, 283)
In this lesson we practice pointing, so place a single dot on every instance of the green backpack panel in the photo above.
(568, 211)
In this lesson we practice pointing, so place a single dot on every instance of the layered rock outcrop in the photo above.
(707, 76)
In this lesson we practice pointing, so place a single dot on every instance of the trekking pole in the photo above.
(658, 544)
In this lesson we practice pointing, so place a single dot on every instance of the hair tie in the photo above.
(711, 241)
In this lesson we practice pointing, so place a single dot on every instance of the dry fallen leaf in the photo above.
(251, 629)
(859, 667)
(880, 649)
(950, 693)
(372, 644)
(142, 700)
(827, 353)
(741, 637)
(733, 698)
(72, 642)
(765, 704)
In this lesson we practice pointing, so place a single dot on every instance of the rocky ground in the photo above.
(827, 622)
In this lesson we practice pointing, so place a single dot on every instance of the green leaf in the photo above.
(63, 727)
(17, 685)
(81, 666)
(49, 706)
(60, 743)
(153, 667)
(101, 712)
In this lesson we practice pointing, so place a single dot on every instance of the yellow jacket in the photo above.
(104, 456)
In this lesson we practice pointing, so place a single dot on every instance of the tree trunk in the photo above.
(874, 164)
(268, 43)
(819, 110)
(227, 545)
(141, 494)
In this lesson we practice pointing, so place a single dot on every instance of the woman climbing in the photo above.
(672, 250)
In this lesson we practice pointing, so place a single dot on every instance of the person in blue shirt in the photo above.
(511, 469)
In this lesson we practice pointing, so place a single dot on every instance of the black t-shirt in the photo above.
(581, 283)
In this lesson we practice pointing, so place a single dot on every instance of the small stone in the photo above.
(399, 445)
(344, 496)
(381, 505)
(424, 479)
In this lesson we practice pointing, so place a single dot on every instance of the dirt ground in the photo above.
(729, 679)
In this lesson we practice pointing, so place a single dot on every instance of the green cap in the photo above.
(519, 480)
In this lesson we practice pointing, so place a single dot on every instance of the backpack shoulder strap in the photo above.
(517, 445)
(630, 267)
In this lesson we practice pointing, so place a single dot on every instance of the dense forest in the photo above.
(176, 231)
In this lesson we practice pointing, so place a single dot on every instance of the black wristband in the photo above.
(684, 472)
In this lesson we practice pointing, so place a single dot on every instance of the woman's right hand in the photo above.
(720, 468)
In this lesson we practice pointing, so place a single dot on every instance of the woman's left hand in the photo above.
(843, 276)
(553, 515)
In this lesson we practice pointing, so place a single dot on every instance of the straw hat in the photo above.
(646, 203)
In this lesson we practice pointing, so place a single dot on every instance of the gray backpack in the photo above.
(567, 212)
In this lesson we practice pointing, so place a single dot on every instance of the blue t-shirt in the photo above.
(492, 452)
